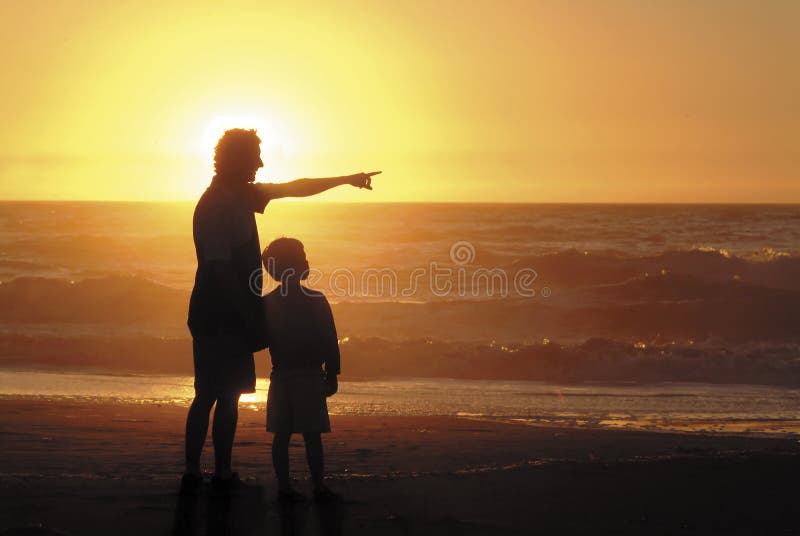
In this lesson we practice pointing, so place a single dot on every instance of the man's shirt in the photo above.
(224, 228)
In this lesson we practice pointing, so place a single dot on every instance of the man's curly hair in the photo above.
(232, 147)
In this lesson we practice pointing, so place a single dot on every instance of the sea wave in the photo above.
(112, 299)
(656, 308)
(574, 268)
(595, 360)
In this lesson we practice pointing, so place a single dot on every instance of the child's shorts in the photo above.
(296, 402)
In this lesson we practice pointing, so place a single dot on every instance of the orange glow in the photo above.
(478, 101)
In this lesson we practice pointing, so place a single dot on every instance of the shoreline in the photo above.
(735, 410)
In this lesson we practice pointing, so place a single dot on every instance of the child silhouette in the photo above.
(302, 340)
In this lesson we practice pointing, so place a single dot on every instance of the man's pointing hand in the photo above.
(363, 180)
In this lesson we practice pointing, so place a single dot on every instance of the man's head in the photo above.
(237, 156)
(285, 260)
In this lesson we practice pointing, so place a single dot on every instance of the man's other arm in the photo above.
(226, 278)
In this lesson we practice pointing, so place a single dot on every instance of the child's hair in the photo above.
(285, 254)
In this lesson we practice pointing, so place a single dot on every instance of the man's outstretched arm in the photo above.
(308, 187)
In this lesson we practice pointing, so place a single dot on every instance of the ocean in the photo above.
(639, 299)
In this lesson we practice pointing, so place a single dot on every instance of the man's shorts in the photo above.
(223, 365)
(296, 402)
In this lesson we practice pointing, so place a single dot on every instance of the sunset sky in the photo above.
(615, 101)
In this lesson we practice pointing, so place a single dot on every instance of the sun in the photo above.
(219, 124)
(280, 146)
(276, 136)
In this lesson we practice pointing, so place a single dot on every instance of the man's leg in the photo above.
(223, 431)
(280, 460)
(196, 430)
(315, 458)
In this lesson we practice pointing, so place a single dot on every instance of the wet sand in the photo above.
(83, 468)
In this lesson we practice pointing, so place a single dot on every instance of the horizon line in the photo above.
(425, 202)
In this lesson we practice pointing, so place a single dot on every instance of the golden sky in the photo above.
(613, 101)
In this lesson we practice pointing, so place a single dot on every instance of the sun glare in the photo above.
(217, 127)
(278, 144)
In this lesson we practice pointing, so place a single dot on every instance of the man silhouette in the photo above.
(224, 310)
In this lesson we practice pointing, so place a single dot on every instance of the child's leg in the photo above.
(280, 460)
(315, 460)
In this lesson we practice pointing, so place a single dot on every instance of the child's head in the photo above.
(285, 260)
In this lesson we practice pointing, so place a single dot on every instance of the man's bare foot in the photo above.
(290, 495)
(191, 483)
(233, 484)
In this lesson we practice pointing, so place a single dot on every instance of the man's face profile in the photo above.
(238, 158)
(252, 162)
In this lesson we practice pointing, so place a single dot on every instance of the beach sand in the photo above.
(86, 468)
